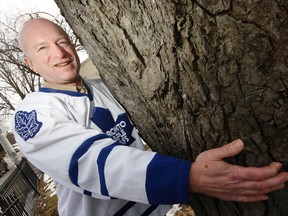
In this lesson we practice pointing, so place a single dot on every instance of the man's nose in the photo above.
(58, 51)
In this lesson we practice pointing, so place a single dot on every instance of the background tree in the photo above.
(195, 75)
(16, 79)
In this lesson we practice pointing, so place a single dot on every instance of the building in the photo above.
(88, 70)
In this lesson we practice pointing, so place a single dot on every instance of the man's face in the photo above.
(50, 53)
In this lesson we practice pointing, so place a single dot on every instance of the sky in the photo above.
(15, 7)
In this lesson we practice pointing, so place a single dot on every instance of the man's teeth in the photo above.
(63, 64)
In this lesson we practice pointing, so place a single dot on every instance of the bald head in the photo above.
(49, 52)
(36, 26)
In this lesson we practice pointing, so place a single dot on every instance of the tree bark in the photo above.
(194, 75)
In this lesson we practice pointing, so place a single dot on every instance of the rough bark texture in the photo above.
(195, 75)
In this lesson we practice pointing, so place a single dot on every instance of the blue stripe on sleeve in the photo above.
(167, 180)
(101, 166)
(73, 166)
(88, 193)
(149, 210)
(125, 208)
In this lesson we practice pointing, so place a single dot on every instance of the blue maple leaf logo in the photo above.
(26, 124)
(119, 130)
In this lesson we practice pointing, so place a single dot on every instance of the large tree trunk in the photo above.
(195, 75)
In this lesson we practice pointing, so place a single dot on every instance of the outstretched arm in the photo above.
(211, 175)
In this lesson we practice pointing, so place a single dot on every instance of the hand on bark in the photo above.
(211, 175)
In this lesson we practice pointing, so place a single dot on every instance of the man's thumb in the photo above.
(229, 150)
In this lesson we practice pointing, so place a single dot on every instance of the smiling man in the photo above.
(76, 132)
(50, 53)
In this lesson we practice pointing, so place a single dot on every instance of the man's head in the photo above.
(49, 52)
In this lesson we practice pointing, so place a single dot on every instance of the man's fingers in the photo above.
(259, 173)
(229, 150)
(274, 188)
(256, 188)
(254, 195)
(249, 198)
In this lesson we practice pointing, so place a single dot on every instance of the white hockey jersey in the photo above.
(90, 148)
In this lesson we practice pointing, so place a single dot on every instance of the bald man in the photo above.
(76, 132)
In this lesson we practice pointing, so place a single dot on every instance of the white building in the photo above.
(88, 70)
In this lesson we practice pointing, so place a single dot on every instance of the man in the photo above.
(77, 133)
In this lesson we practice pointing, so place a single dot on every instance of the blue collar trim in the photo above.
(71, 93)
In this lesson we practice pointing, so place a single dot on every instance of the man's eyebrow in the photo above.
(64, 38)
(39, 44)
(43, 43)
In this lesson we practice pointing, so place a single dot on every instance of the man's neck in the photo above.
(79, 87)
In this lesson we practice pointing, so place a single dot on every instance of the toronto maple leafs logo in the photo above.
(119, 130)
(26, 124)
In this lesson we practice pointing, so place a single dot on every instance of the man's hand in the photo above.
(211, 175)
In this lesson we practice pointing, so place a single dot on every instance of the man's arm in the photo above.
(211, 175)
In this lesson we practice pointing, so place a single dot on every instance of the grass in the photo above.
(47, 201)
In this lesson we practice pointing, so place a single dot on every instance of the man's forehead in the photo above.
(36, 31)
(39, 21)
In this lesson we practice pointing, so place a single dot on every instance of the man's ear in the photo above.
(29, 63)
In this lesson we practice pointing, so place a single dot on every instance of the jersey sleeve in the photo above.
(88, 161)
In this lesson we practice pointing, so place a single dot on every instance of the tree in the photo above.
(194, 75)
(15, 77)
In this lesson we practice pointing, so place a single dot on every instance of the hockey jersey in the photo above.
(92, 151)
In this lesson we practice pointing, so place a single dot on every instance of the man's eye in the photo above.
(63, 43)
(42, 48)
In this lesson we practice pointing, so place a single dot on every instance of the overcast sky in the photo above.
(12, 8)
